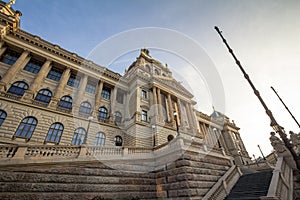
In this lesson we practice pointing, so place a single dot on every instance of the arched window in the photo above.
(2, 116)
(44, 95)
(118, 141)
(18, 88)
(118, 117)
(147, 68)
(54, 133)
(26, 127)
(66, 102)
(85, 107)
(170, 137)
(79, 136)
(102, 114)
(100, 139)
(156, 72)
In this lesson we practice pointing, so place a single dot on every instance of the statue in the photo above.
(277, 143)
(295, 140)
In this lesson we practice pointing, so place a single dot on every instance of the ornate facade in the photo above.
(51, 96)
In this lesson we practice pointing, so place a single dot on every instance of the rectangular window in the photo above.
(33, 66)
(105, 93)
(74, 81)
(10, 57)
(55, 74)
(144, 94)
(90, 87)
(144, 115)
(120, 96)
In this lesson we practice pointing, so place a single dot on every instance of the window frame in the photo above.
(118, 141)
(79, 136)
(10, 57)
(100, 139)
(84, 109)
(15, 88)
(101, 114)
(24, 124)
(118, 117)
(74, 80)
(90, 87)
(55, 73)
(3, 116)
(144, 94)
(34, 66)
(106, 92)
(54, 133)
(44, 98)
(63, 102)
(144, 116)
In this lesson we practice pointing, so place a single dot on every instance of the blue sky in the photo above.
(265, 34)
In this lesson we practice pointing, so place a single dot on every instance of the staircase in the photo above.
(251, 186)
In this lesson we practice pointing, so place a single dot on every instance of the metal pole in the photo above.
(261, 152)
(285, 106)
(255, 160)
(90, 118)
(274, 123)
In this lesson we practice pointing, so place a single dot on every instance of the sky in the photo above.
(264, 34)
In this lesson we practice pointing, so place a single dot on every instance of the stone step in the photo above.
(76, 195)
(6, 176)
(72, 187)
(251, 186)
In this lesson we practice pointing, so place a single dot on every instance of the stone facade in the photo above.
(68, 121)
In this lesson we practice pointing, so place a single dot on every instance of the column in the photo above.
(21, 62)
(155, 101)
(191, 116)
(181, 111)
(98, 95)
(112, 103)
(59, 89)
(62, 83)
(81, 90)
(38, 80)
(171, 112)
(2, 48)
(160, 112)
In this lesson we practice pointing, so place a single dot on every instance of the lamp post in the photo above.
(274, 123)
(255, 160)
(90, 118)
(176, 122)
(153, 129)
(261, 152)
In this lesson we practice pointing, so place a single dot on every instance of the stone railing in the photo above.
(260, 166)
(281, 186)
(7, 152)
(222, 188)
(35, 152)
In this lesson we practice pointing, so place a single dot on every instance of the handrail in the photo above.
(281, 186)
(222, 188)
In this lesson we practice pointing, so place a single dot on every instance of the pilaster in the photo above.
(13, 70)
(29, 94)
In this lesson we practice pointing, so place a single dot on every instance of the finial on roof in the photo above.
(213, 108)
(146, 51)
(11, 2)
(167, 66)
